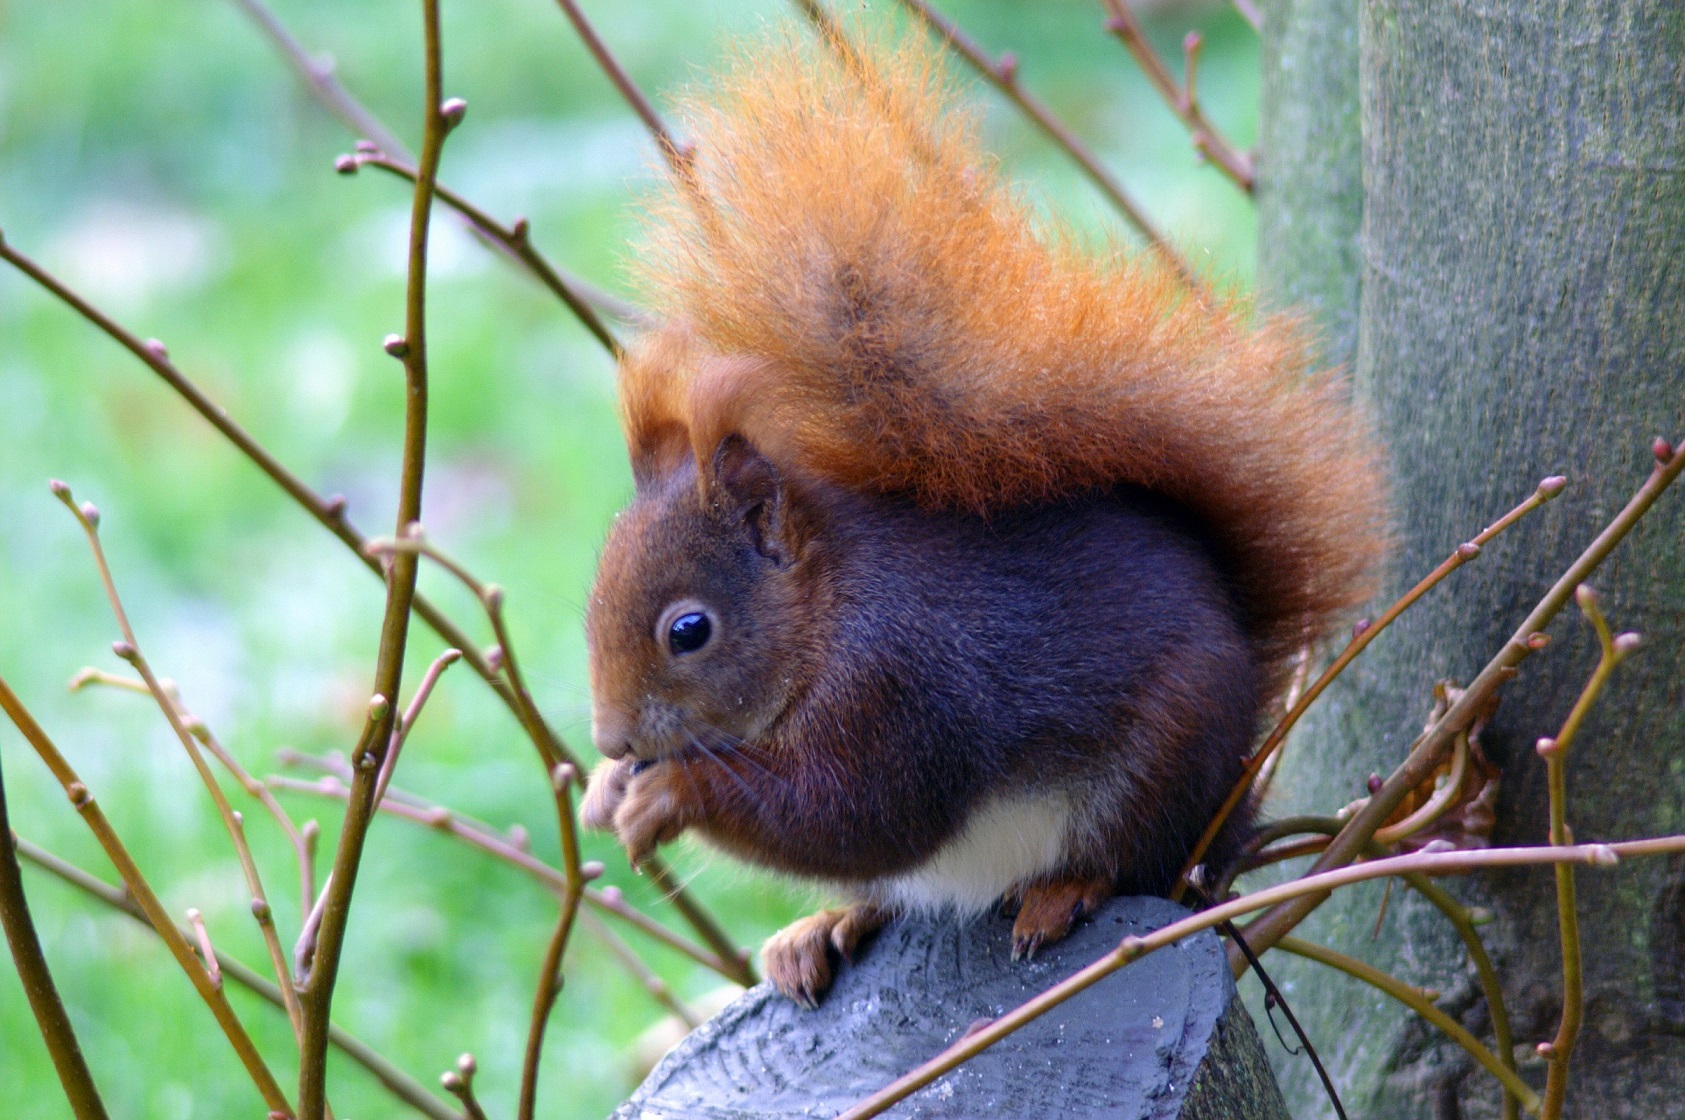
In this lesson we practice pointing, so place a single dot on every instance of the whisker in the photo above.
(708, 753)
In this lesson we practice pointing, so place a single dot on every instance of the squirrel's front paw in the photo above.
(798, 957)
(604, 793)
(655, 803)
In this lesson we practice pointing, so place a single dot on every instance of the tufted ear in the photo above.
(751, 491)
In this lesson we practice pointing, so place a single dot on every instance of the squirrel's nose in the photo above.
(611, 733)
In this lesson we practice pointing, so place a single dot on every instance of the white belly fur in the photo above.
(1005, 842)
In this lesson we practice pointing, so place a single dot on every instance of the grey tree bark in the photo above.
(1484, 206)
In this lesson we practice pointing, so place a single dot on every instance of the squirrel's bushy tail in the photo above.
(863, 298)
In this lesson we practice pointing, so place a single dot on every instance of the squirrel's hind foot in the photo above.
(798, 957)
(1046, 910)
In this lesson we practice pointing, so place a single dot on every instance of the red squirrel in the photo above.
(962, 562)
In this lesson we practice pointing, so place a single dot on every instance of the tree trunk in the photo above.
(1511, 273)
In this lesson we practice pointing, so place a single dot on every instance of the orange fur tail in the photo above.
(863, 298)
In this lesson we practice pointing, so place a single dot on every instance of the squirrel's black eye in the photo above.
(689, 632)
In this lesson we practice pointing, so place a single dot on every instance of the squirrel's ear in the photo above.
(750, 490)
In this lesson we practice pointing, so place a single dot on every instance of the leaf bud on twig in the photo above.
(1468, 550)
(562, 776)
(453, 110)
(367, 148)
(395, 345)
(126, 651)
(1007, 68)
(1627, 642)
(1546, 748)
(335, 507)
(1586, 596)
(467, 1066)
(1662, 450)
(157, 350)
(78, 794)
(61, 490)
(260, 910)
(1552, 486)
(346, 164)
(91, 512)
(520, 229)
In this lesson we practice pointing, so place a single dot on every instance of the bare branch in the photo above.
(395, 1080)
(1312, 886)
(1426, 753)
(678, 155)
(407, 806)
(1183, 100)
(1363, 635)
(37, 979)
(516, 239)
(87, 515)
(1558, 1051)
(145, 898)
(438, 118)
(317, 74)
(1421, 1003)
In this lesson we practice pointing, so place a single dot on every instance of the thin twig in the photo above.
(142, 892)
(609, 900)
(401, 733)
(300, 839)
(1462, 919)
(549, 986)
(1272, 999)
(459, 1083)
(37, 980)
(1557, 1052)
(516, 239)
(1183, 100)
(659, 989)
(1462, 554)
(1003, 75)
(317, 74)
(330, 513)
(1133, 948)
(1249, 12)
(678, 155)
(1418, 1002)
(87, 516)
(395, 1080)
(1426, 753)
(437, 120)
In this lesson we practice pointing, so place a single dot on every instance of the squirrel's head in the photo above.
(704, 617)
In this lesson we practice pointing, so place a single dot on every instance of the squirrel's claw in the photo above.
(798, 957)
(1047, 910)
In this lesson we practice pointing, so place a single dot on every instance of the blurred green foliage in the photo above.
(161, 158)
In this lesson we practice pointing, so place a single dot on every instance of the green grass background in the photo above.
(159, 156)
